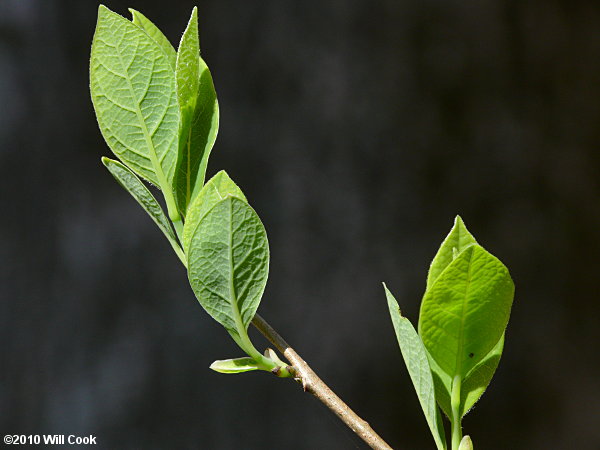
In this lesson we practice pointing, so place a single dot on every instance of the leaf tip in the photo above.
(460, 224)
(392, 302)
(103, 11)
(193, 19)
(386, 290)
(466, 443)
(221, 173)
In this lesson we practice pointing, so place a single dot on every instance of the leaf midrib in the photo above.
(458, 366)
(457, 242)
(162, 180)
(234, 301)
(188, 192)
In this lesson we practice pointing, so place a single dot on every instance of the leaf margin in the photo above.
(410, 342)
(134, 186)
(478, 257)
(243, 309)
(155, 33)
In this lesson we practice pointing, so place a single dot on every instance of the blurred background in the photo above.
(358, 130)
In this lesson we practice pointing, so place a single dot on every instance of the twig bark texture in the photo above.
(313, 384)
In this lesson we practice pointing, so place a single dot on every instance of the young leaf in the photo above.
(196, 141)
(188, 82)
(218, 188)
(473, 386)
(457, 240)
(152, 30)
(443, 386)
(199, 116)
(479, 378)
(187, 67)
(237, 365)
(466, 443)
(133, 92)
(228, 264)
(415, 358)
(465, 312)
(132, 184)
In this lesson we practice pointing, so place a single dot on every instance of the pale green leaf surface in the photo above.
(196, 140)
(132, 184)
(133, 91)
(228, 263)
(153, 31)
(216, 189)
(443, 385)
(199, 116)
(465, 312)
(415, 358)
(466, 443)
(237, 365)
(457, 240)
(187, 75)
(472, 387)
(187, 67)
(479, 378)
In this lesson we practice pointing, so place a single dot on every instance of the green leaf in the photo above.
(196, 142)
(415, 358)
(199, 116)
(237, 365)
(479, 378)
(132, 184)
(218, 188)
(457, 241)
(228, 264)
(152, 30)
(465, 312)
(473, 386)
(187, 67)
(133, 91)
(466, 444)
(443, 386)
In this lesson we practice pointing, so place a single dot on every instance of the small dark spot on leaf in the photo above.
(471, 355)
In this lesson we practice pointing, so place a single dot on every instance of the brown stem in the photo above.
(313, 384)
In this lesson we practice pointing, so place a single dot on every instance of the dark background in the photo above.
(358, 130)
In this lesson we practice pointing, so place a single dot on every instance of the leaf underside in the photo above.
(152, 30)
(130, 182)
(415, 358)
(228, 263)
(133, 91)
(216, 189)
